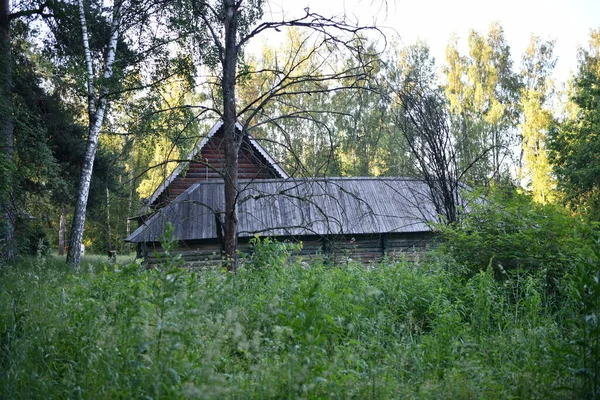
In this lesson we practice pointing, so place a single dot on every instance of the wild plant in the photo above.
(270, 253)
(286, 330)
(584, 291)
(512, 233)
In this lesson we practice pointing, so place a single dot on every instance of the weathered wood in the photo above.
(334, 249)
(208, 163)
(340, 219)
(301, 207)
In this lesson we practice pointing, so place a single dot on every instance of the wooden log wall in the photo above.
(337, 250)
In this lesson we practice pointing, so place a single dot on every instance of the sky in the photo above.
(434, 21)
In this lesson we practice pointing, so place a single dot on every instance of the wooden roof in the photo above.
(296, 207)
(181, 167)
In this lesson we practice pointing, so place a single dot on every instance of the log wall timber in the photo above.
(209, 164)
(337, 249)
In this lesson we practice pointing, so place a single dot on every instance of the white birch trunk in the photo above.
(88, 63)
(129, 208)
(96, 118)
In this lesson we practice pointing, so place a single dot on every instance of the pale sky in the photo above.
(434, 21)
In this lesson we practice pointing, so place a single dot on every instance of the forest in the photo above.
(101, 100)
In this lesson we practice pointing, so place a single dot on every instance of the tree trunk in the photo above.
(74, 254)
(62, 226)
(8, 246)
(108, 231)
(129, 209)
(233, 138)
(96, 118)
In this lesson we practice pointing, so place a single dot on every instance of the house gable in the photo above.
(208, 162)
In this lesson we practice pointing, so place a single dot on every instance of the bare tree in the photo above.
(424, 122)
(222, 29)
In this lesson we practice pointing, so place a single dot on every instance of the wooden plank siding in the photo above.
(207, 161)
(209, 164)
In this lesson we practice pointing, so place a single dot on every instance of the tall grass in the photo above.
(398, 330)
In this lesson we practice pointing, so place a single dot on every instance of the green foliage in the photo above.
(49, 147)
(34, 238)
(393, 330)
(575, 143)
(538, 120)
(509, 232)
(269, 253)
(483, 93)
(584, 291)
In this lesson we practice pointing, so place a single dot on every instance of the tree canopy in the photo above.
(111, 96)
(575, 143)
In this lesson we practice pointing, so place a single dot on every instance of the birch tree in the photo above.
(97, 103)
(483, 93)
(538, 120)
(411, 70)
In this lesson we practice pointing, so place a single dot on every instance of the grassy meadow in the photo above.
(286, 329)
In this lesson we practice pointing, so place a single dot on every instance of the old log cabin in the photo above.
(339, 218)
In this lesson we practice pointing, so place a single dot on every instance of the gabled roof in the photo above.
(196, 150)
(298, 207)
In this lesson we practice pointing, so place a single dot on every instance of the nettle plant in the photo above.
(270, 253)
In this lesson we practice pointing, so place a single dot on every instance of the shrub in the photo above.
(288, 330)
(269, 253)
(509, 232)
(33, 238)
(584, 294)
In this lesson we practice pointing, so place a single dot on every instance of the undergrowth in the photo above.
(398, 330)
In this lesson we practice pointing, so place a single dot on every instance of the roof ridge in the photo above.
(319, 179)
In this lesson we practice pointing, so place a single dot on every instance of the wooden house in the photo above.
(206, 162)
(338, 218)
